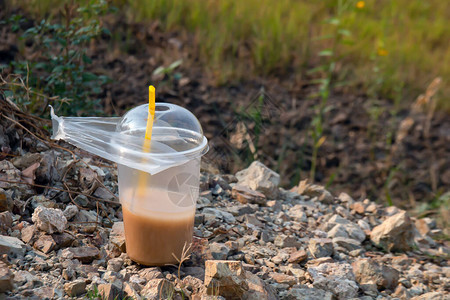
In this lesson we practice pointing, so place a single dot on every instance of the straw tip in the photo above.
(151, 88)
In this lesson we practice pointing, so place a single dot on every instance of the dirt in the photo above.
(395, 156)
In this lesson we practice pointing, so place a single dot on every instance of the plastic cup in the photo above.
(159, 208)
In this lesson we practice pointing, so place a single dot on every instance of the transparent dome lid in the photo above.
(174, 127)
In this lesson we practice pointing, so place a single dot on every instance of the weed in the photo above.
(169, 70)
(60, 67)
(185, 255)
(330, 58)
(93, 294)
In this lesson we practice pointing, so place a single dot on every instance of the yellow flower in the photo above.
(360, 4)
(382, 52)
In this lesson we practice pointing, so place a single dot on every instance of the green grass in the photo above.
(236, 39)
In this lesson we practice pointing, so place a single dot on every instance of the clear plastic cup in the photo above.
(159, 209)
(158, 189)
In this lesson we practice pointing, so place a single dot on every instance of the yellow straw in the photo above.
(151, 117)
(148, 136)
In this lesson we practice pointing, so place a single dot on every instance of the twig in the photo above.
(39, 138)
(71, 199)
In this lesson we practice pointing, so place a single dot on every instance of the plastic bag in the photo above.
(177, 137)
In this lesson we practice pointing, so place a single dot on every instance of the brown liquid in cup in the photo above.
(151, 240)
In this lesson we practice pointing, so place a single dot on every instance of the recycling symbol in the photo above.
(183, 189)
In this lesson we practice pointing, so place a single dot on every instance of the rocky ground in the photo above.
(62, 236)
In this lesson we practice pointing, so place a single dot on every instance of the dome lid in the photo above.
(175, 130)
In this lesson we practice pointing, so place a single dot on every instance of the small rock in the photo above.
(364, 225)
(395, 233)
(63, 240)
(240, 210)
(226, 278)
(353, 231)
(391, 210)
(318, 191)
(219, 251)
(6, 278)
(401, 292)
(87, 216)
(29, 234)
(196, 272)
(75, 288)
(216, 213)
(283, 241)
(371, 208)
(281, 257)
(41, 200)
(151, 273)
(246, 195)
(338, 231)
(253, 220)
(370, 271)
(157, 289)
(6, 203)
(306, 293)
(274, 205)
(82, 201)
(6, 221)
(117, 236)
(131, 291)
(49, 220)
(47, 292)
(319, 261)
(283, 278)
(422, 226)
(11, 246)
(115, 264)
(358, 207)
(298, 272)
(346, 243)
(336, 278)
(297, 213)
(45, 243)
(85, 254)
(70, 211)
(260, 178)
(24, 161)
(298, 256)
(320, 247)
(109, 291)
(195, 285)
(346, 198)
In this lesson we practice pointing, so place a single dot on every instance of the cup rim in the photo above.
(197, 151)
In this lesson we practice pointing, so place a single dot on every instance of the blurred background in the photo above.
(350, 94)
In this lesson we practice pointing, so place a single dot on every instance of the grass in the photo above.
(395, 48)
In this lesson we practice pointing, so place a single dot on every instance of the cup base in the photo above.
(153, 264)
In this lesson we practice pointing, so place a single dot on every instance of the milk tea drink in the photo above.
(156, 239)
(158, 219)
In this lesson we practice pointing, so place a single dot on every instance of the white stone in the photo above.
(226, 216)
(395, 233)
(260, 178)
(49, 220)
(336, 278)
(353, 231)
